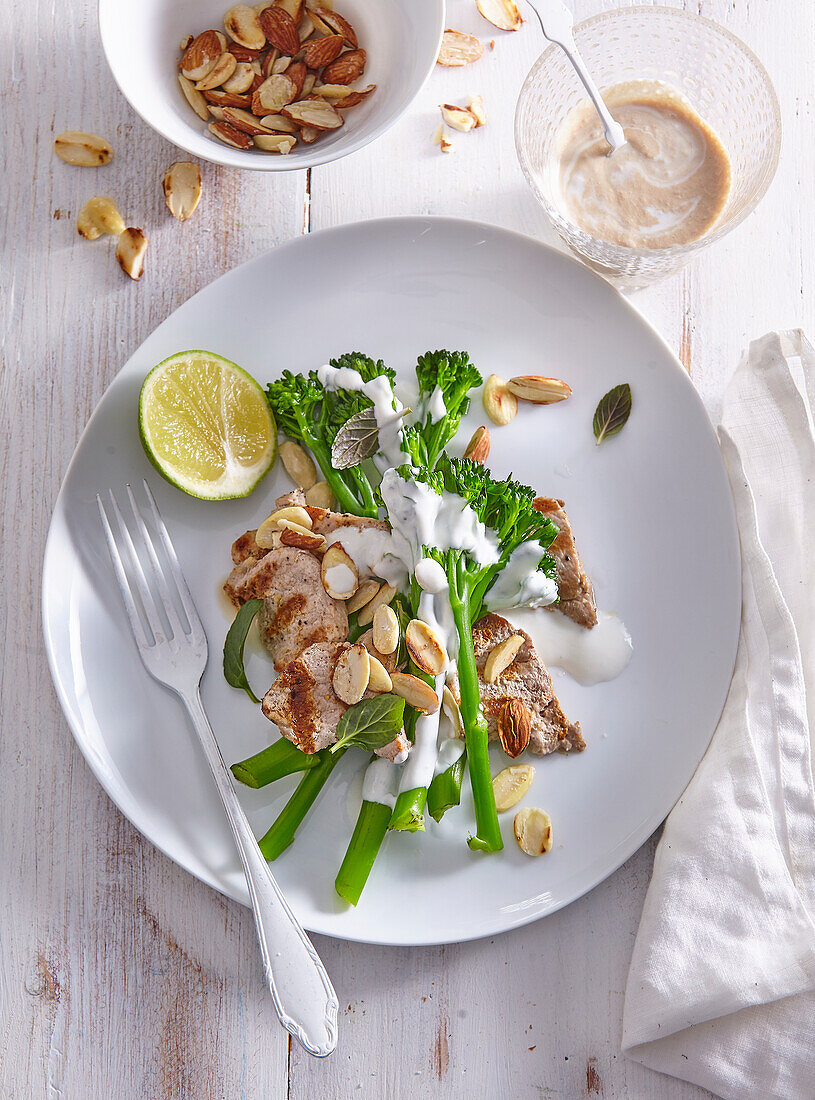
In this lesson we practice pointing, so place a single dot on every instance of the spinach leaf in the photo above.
(233, 647)
(370, 724)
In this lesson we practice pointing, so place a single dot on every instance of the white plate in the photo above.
(652, 512)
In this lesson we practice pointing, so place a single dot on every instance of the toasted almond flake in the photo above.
(387, 660)
(538, 390)
(501, 656)
(308, 85)
(182, 189)
(445, 144)
(386, 629)
(193, 97)
(383, 596)
(280, 64)
(275, 143)
(511, 784)
(503, 14)
(297, 73)
(292, 513)
(321, 496)
(499, 403)
(363, 595)
(514, 723)
(315, 113)
(201, 54)
(533, 831)
(306, 28)
(186, 41)
(338, 573)
(459, 118)
(273, 94)
(438, 135)
(425, 647)
(308, 134)
(293, 7)
(333, 91)
(351, 674)
(357, 96)
(451, 709)
(292, 534)
(82, 149)
(278, 124)
(242, 24)
(476, 106)
(220, 98)
(244, 121)
(241, 79)
(415, 692)
(130, 250)
(220, 72)
(229, 135)
(216, 112)
(99, 216)
(339, 25)
(298, 465)
(458, 49)
(379, 679)
(478, 449)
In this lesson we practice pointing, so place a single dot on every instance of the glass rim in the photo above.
(623, 255)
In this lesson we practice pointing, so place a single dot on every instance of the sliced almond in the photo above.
(297, 73)
(242, 24)
(99, 216)
(383, 597)
(306, 29)
(275, 143)
(425, 647)
(338, 573)
(503, 14)
(322, 51)
(130, 250)
(333, 91)
(438, 134)
(514, 723)
(244, 54)
(451, 709)
(351, 674)
(292, 534)
(356, 96)
(278, 124)
(182, 189)
(298, 465)
(478, 449)
(385, 628)
(533, 831)
(230, 136)
(81, 149)
(445, 144)
(241, 79)
(314, 113)
(273, 95)
(280, 64)
(245, 121)
(500, 404)
(280, 30)
(511, 784)
(216, 112)
(363, 595)
(294, 513)
(186, 42)
(339, 25)
(379, 679)
(308, 84)
(346, 69)
(201, 54)
(219, 98)
(193, 97)
(293, 7)
(459, 118)
(308, 134)
(415, 692)
(538, 390)
(501, 656)
(387, 660)
(476, 106)
(220, 72)
(458, 49)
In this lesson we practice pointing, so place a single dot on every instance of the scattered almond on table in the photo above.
(283, 73)
(503, 14)
(182, 189)
(459, 49)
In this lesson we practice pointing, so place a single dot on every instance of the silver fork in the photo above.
(155, 595)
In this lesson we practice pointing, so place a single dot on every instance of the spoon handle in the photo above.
(556, 23)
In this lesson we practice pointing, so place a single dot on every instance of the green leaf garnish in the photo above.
(234, 672)
(612, 412)
(370, 724)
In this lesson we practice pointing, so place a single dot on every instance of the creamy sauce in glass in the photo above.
(668, 186)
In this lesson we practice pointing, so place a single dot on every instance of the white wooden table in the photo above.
(121, 976)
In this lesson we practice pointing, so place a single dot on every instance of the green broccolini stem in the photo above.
(281, 758)
(282, 831)
(408, 813)
(363, 848)
(445, 790)
(487, 837)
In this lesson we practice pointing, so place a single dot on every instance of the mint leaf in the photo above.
(612, 412)
(234, 672)
(370, 724)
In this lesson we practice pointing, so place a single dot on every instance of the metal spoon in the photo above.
(556, 23)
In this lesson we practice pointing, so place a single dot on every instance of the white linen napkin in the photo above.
(721, 989)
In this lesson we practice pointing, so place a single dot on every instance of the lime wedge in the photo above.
(206, 426)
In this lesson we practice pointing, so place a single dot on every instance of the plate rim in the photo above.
(637, 837)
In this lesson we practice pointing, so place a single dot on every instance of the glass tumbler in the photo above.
(723, 80)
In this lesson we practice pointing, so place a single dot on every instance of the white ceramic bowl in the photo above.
(141, 43)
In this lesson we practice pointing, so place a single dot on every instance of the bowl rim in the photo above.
(623, 255)
(227, 157)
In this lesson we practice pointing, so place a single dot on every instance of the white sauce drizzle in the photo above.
(381, 782)
(387, 408)
(435, 404)
(589, 656)
(520, 584)
(450, 750)
(421, 764)
(340, 578)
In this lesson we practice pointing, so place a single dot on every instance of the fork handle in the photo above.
(302, 992)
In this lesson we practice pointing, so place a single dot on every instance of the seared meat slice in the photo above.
(573, 585)
(302, 701)
(245, 547)
(325, 522)
(297, 611)
(295, 497)
(394, 748)
(526, 679)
